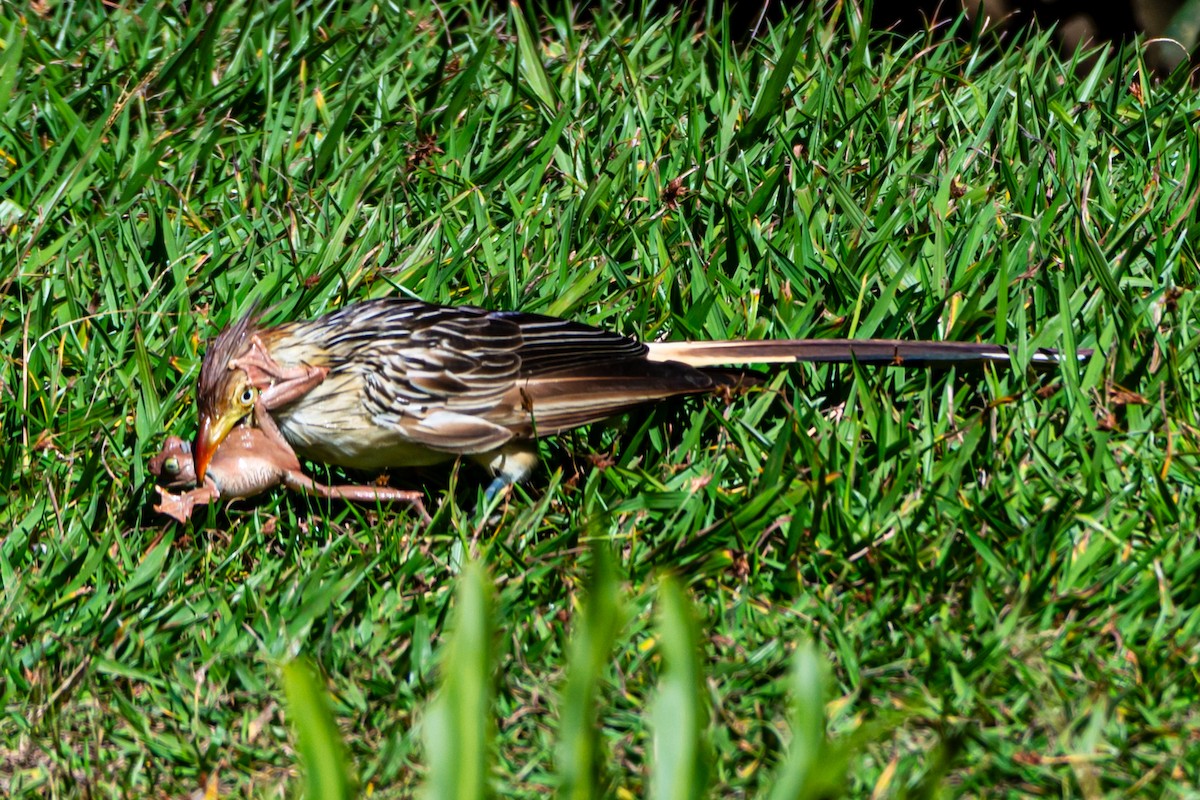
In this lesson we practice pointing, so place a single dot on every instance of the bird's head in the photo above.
(224, 394)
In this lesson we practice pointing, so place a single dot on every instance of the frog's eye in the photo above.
(171, 466)
(247, 398)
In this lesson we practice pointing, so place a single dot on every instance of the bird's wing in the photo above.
(553, 402)
(465, 380)
(550, 345)
(433, 374)
(573, 374)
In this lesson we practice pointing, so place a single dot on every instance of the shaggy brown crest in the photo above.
(215, 375)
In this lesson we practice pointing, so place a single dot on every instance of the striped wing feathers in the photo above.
(466, 380)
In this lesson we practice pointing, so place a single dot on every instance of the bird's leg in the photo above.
(278, 385)
(363, 494)
(511, 463)
(498, 484)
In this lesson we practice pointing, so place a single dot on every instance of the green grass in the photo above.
(999, 568)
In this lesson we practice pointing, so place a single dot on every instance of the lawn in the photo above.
(996, 569)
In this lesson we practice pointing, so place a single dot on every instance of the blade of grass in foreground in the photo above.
(798, 775)
(322, 755)
(678, 716)
(590, 649)
(458, 722)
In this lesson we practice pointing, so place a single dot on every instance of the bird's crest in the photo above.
(214, 369)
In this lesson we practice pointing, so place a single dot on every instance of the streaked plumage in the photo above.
(410, 383)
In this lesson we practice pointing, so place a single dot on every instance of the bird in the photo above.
(395, 382)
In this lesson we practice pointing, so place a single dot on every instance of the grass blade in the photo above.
(531, 62)
(770, 99)
(679, 714)
(590, 650)
(795, 776)
(10, 64)
(458, 724)
(318, 742)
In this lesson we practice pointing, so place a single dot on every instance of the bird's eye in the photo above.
(247, 397)
(171, 466)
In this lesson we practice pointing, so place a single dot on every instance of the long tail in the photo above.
(892, 352)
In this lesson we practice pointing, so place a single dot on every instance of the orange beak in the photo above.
(208, 439)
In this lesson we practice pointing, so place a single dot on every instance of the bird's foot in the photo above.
(498, 484)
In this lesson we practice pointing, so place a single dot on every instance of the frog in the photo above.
(249, 462)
